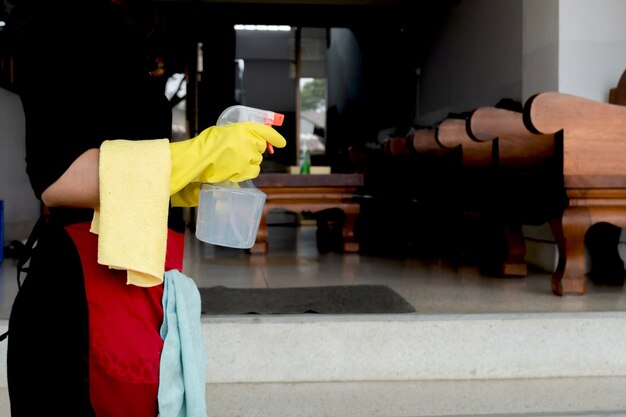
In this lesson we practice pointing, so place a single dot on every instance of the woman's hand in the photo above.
(231, 152)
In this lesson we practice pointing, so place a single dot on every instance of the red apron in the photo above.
(124, 322)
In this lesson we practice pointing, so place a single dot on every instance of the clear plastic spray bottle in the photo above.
(229, 213)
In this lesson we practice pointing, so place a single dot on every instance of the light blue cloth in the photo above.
(182, 380)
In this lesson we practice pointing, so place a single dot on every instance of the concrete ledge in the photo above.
(415, 347)
(530, 397)
(563, 397)
(313, 348)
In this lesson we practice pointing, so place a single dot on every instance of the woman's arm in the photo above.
(78, 186)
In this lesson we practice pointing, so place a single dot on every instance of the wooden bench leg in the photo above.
(260, 245)
(569, 278)
(350, 244)
(502, 248)
(514, 265)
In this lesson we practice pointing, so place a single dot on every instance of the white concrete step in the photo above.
(412, 365)
(315, 348)
(527, 397)
(554, 397)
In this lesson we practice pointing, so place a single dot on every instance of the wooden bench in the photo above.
(467, 185)
(310, 193)
(421, 142)
(593, 137)
(476, 191)
(426, 174)
(526, 182)
(507, 177)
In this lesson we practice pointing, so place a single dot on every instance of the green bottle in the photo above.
(305, 164)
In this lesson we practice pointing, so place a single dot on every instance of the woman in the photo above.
(81, 341)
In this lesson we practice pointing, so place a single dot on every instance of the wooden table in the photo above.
(310, 193)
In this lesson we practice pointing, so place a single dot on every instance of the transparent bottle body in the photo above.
(229, 213)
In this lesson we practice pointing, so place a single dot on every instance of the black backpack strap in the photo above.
(23, 253)
(26, 251)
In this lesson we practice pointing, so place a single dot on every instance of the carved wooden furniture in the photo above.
(594, 173)
(424, 174)
(420, 142)
(526, 182)
(310, 193)
(617, 95)
(474, 188)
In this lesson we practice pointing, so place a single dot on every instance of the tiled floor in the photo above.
(432, 287)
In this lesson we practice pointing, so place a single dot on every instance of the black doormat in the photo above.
(351, 299)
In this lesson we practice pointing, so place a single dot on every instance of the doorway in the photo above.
(283, 69)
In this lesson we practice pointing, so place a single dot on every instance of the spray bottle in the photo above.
(229, 213)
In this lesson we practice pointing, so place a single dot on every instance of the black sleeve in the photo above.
(83, 79)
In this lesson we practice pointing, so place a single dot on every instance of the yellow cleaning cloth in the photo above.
(131, 222)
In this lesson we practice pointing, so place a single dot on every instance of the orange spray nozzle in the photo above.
(277, 120)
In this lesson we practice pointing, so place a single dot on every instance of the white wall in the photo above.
(540, 47)
(21, 208)
(476, 61)
(491, 49)
(592, 46)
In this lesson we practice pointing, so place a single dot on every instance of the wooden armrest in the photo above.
(517, 146)
(488, 123)
(398, 146)
(422, 142)
(594, 137)
(452, 133)
(425, 141)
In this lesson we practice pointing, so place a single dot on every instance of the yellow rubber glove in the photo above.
(232, 152)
